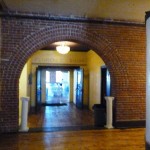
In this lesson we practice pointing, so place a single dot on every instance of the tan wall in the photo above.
(94, 65)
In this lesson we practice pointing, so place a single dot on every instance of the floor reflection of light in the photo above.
(46, 116)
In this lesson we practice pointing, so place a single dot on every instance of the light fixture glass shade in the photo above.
(63, 49)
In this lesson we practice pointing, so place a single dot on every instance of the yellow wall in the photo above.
(94, 64)
(54, 58)
(22, 88)
(28, 73)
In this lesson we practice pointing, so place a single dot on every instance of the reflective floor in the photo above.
(65, 116)
(113, 139)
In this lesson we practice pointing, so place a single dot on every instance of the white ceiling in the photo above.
(128, 10)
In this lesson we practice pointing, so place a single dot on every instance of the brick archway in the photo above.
(39, 39)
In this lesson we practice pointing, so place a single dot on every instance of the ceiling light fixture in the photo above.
(63, 49)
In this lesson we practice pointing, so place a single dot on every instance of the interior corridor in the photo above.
(65, 116)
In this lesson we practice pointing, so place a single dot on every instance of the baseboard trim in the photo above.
(130, 124)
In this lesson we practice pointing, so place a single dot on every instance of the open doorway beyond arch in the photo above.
(86, 116)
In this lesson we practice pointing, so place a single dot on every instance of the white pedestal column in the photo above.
(148, 81)
(109, 111)
(24, 115)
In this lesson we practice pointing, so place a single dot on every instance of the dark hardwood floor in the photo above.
(65, 116)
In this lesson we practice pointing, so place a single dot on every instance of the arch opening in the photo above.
(50, 59)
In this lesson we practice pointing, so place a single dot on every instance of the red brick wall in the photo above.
(122, 47)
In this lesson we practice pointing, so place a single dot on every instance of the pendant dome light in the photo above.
(63, 49)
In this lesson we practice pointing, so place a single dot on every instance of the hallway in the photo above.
(63, 117)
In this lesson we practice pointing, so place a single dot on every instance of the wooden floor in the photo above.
(114, 139)
(61, 116)
(81, 139)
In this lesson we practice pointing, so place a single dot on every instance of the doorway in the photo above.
(57, 86)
